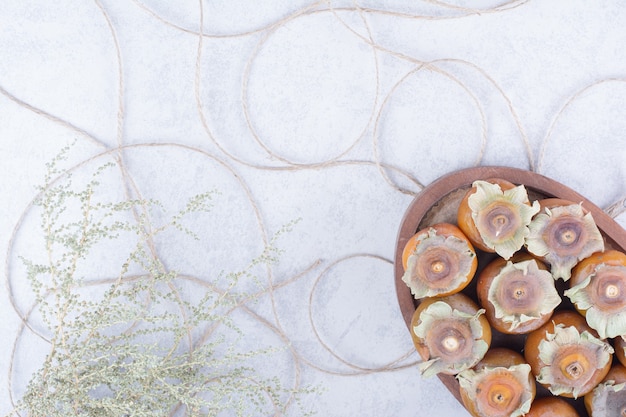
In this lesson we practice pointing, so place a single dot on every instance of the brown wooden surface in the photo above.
(539, 185)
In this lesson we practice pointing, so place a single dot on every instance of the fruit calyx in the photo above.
(563, 236)
(499, 391)
(438, 264)
(522, 292)
(608, 399)
(571, 359)
(502, 217)
(453, 338)
(602, 297)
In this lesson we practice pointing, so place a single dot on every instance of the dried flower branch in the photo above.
(132, 348)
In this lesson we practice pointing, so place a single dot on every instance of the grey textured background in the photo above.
(332, 114)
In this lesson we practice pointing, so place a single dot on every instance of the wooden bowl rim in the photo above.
(430, 195)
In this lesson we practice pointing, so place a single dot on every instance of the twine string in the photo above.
(228, 161)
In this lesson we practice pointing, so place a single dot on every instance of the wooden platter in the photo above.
(439, 202)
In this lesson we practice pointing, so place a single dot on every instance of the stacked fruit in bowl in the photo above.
(522, 301)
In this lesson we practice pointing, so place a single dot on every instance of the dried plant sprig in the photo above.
(129, 349)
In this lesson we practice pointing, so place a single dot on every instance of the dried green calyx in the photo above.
(571, 359)
(563, 236)
(501, 217)
(499, 391)
(522, 292)
(438, 265)
(608, 399)
(603, 297)
(453, 338)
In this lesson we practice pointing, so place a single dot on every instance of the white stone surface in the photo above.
(330, 112)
